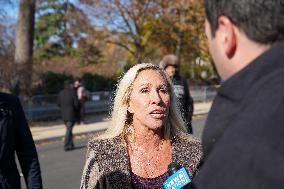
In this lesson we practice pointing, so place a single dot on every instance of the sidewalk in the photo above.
(43, 133)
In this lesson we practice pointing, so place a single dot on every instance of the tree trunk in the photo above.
(24, 47)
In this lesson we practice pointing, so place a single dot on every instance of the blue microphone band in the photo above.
(177, 180)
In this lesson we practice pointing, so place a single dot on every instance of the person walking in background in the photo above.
(16, 137)
(68, 102)
(243, 137)
(170, 63)
(146, 135)
(82, 95)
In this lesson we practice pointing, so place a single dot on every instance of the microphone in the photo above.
(179, 177)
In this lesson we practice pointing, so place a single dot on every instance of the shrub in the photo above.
(52, 83)
(94, 82)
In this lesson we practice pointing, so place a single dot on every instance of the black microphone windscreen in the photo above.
(173, 167)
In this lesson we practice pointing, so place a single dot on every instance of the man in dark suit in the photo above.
(68, 102)
(243, 138)
(15, 136)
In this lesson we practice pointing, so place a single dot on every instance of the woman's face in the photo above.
(171, 70)
(149, 100)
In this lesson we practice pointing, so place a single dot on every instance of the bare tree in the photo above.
(130, 22)
(24, 47)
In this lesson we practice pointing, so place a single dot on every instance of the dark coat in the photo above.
(243, 139)
(183, 95)
(108, 166)
(15, 136)
(68, 102)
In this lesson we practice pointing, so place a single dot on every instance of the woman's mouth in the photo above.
(158, 114)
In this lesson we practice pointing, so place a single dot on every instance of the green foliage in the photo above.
(52, 82)
(95, 82)
(55, 49)
(200, 73)
(88, 54)
(205, 74)
(47, 26)
(60, 31)
(52, 37)
(50, 20)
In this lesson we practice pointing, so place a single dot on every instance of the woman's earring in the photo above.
(129, 110)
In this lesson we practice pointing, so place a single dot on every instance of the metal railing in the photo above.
(203, 93)
(44, 107)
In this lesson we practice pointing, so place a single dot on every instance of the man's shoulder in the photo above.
(67, 91)
(61, 91)
(269, 88)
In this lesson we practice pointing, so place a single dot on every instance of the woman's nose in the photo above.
(155, 97)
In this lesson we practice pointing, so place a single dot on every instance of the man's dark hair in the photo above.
(261, 20)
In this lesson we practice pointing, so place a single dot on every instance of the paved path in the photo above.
(100, 122)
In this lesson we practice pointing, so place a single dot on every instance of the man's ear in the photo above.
(228, 36)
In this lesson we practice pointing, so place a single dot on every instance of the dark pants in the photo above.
(82, 112)
(68, 142)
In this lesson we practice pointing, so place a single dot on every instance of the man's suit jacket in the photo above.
(107, 164)
(15, 136)
(68, 102)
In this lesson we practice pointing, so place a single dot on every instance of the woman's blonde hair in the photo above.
(174, 125)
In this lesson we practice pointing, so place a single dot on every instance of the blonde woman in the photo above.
(146, 135)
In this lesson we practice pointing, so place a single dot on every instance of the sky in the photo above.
(11, 11)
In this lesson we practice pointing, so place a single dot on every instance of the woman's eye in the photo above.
(165, 91)
(144, 90)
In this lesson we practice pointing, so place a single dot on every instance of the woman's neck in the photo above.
(148, 138)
